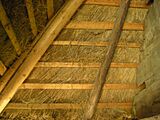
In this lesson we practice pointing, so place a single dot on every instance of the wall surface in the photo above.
(147, 102)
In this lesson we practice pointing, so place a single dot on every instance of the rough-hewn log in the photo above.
(146, 102)
(76, 86)
(101, 78)
(31, 16)
(82, 65)
(97, 44)
(9, 29)
(134, 4)
(103, 25)
(64, 106)
(2, 68)
(55, 26)
(50, 9)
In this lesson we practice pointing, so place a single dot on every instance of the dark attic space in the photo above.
(79, 59)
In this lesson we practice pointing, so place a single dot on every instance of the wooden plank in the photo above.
(53, 28)
(2, 68)
(31, 16)
(50, 9)
(116, 3)
(97, 44)
(9, 29)
(76, 86)
(103, 71)
(103, 25)
(20, 106)
(83, 65)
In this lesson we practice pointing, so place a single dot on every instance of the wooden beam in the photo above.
(65, 106)
(50, 9)
(103, 25)
(76, 86)
(31, 16)
(116, 3)
(103, 71)
(96, 44)
(82, 65)
(51, 31)
(2, 68)
(9, 29)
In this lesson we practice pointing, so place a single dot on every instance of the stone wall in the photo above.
(147, 102)
(149, 69)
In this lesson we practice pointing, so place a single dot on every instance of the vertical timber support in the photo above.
(9, 29)
(101, 78)
(51, 31)
(50, 9)
(31, 16)
(2, 68)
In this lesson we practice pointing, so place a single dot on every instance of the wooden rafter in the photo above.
(20, 106)
(50, 8)
(96, 44)
(2, 68)
(103, 25)
(134, 4)
(83, 65)
(51, 31)
(76, 86)
(9, 29)
(103, 71)
(31, 16)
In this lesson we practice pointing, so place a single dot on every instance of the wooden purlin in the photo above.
(103, 25)
(96, 44)
(82, 65)
(76, 86)
(64, 106)
(51, 32)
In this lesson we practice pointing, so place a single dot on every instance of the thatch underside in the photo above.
(83, 54)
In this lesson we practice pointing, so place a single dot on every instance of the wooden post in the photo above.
(31, 16)
(50, 9)
(101, 78)
(8, 28)
(2, 68)
(51, 31)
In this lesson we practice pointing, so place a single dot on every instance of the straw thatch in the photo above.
(84, 54)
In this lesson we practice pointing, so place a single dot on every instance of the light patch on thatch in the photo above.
(88, 54)
(80, 75)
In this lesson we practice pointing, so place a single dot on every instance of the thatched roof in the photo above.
(79, 54)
